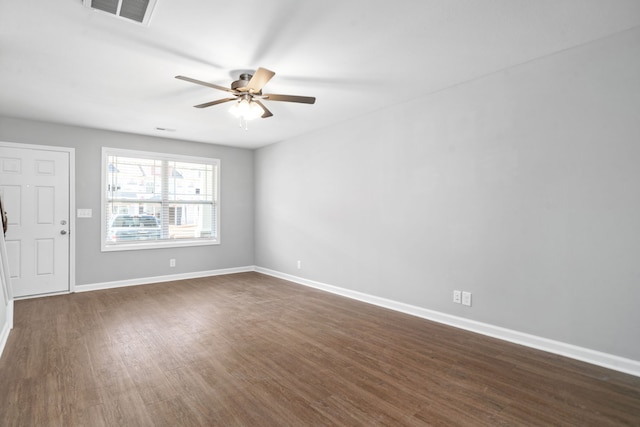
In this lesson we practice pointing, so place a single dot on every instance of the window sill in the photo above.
(114, 247)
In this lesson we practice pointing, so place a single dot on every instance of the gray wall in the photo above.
(522, 187)
(94, 266)
(5, 321)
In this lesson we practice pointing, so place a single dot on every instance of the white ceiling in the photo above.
(62, 62)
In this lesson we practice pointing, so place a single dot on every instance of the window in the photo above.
(154, 200)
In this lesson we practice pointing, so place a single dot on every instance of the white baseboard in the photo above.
(594, 357)
(160, 279)
(4, 334)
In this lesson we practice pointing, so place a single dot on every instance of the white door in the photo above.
(34, 185)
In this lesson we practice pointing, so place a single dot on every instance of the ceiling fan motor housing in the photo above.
(242, 82)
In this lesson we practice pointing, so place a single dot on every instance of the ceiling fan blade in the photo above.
(290, 98)
(199, 82)
(219, 101)
(266, 113)
(259, 79)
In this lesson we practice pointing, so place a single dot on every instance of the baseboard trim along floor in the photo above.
(594, 357)
(160, 279)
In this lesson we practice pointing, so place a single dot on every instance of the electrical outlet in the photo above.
(457, 297)
(172, 262)
(299, 264)
(466, 298)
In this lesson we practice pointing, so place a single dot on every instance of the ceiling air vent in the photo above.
(135, 10)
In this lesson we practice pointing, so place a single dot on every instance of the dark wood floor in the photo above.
(252, 350)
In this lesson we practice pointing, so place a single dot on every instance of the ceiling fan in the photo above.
(247, 92)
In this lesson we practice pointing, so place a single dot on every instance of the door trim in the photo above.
(72, 201)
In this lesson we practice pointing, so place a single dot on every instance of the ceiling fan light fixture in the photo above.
(246, 109)
(255, 111)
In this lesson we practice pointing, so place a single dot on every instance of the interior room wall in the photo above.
(522, 187)
(4, 311)
(94, 266)
(5, 321)
(6, 297)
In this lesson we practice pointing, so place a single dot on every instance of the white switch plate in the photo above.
(85, 213)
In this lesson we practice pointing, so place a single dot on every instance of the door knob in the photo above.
(63, 232)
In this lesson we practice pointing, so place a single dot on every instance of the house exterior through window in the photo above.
(153, 200)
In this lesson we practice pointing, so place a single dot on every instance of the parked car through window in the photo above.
(134, 227)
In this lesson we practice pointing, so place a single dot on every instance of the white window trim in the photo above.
(156, 244)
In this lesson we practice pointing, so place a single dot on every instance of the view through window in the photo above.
(158, 200)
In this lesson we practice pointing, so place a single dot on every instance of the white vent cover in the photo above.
(135, 10)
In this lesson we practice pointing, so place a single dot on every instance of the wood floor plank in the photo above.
(252, 350)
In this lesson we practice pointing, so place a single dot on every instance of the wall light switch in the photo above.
(85, 213)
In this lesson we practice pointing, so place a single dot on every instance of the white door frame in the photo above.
(72, 202)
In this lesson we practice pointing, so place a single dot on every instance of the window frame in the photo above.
(160, 243)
